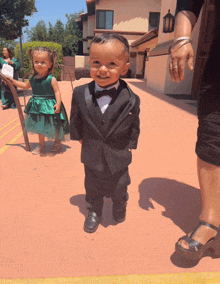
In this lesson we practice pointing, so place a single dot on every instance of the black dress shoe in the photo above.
(92, 222)
(119, 211)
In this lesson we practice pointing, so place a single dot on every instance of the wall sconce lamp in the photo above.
(168, 23)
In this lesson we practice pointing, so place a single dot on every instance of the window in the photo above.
(154, 20)
(104, 20)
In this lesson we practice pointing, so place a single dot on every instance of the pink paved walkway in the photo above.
(42, 200)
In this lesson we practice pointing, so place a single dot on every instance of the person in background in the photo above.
(6, 94)
(207, 234)
(46, 114)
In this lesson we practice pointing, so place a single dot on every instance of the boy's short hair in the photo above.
(104, 38)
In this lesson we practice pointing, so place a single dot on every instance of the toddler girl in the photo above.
(45, 111)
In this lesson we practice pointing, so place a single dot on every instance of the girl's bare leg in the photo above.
(41, 149)
(209, 180)
(57, 147)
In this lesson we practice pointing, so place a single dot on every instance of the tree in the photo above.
(59, 32)
(72, 34)
(51, 32)
(38, 33)
(12, 17)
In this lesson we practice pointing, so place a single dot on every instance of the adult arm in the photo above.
(187, 12)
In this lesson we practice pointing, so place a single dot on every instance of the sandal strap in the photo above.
(192, 243)
(201, 223)
(209, 225)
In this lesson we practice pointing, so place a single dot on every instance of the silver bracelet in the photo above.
(178, 45)
(180, 39)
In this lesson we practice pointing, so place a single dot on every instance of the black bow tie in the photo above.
(111, 93)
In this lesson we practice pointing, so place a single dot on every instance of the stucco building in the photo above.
(132, 19)
(142, 23)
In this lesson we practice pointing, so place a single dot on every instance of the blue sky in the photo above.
(52, 10)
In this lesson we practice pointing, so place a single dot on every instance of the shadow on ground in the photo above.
(48, 145)
(176, 100)
(182, 205)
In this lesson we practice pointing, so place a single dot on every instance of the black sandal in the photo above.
(196, 250)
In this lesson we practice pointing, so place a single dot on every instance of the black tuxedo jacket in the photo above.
(106, 137)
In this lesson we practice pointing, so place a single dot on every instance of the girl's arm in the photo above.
(56, 89)
(22, 85)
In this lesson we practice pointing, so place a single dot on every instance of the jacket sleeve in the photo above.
(136, 124)
(75, 121)
(194, 6)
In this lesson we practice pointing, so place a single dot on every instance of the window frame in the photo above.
(150, 28)
(97, 19)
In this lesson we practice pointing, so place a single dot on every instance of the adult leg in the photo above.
(209, 180)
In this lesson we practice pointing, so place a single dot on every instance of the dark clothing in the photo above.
(208, 135)
(106, 136)
(208, 142)
(99, 184)
(107, 139)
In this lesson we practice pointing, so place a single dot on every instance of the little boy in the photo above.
(105, 119)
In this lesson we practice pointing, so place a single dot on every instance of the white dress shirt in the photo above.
(104, 101)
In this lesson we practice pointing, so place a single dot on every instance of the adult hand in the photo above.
(178, 59)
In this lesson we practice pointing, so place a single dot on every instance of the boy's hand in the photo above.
(57, 108)
(80, 141)
(130, 150)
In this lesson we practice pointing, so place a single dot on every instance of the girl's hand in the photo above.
(10, 79)
(57, 108)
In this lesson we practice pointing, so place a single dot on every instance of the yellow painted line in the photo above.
(3, 149)
(177, 278)
(8, 123)
(9, 130)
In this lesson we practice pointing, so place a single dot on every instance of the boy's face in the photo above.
(108, 62)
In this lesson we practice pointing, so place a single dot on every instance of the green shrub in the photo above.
(33, 45)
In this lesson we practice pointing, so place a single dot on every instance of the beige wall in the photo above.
(155, 72)
(91, 25)
(130, 15)
(85, 29)
(81, 61)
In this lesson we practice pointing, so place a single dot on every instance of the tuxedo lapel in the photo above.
(94, 114)
(125, 93)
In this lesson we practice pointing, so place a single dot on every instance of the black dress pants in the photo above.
(103, 183)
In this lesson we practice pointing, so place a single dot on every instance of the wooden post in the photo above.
(18, 105)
